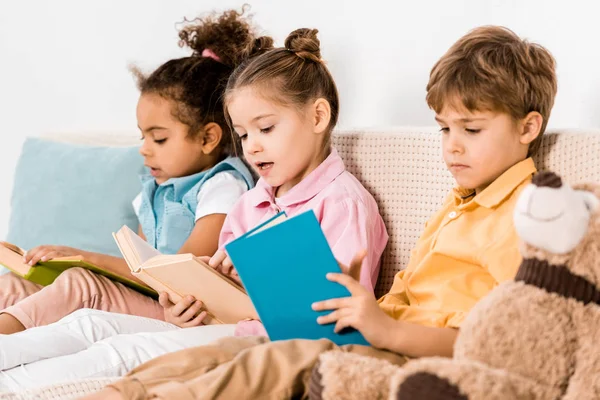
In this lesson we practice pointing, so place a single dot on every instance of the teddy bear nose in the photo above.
(547, 179)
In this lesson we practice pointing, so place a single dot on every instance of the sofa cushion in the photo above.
(73, 195)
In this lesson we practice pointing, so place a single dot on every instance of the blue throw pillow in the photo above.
(73, 195)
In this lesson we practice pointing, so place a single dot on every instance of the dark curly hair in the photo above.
(196, 84)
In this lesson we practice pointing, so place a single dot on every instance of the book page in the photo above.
(13, 260)
(13, 247)
(135, 250)
(143, 249)
(272, 222)
(164, 259)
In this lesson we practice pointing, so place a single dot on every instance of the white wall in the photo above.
(63, 63)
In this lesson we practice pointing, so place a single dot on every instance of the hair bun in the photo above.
(305, 44)
(258, 46)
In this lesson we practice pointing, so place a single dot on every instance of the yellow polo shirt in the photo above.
(467, 248)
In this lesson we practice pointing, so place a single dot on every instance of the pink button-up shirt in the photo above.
(347, 212)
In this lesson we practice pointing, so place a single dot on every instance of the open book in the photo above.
(184, 274)
(45, 272)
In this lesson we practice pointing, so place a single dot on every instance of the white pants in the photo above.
(92, 343)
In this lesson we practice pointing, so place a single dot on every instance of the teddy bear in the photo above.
(536, 337)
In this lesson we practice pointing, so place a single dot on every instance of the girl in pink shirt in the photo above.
(283, 105)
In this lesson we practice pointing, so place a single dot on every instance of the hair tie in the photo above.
(208, 53)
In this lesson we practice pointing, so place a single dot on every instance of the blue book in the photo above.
(283, 266)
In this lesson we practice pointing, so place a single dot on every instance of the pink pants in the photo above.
(76, 288)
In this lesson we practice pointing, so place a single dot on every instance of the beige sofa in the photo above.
(404, 170)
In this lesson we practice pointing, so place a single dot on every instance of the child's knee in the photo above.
(78, 278)
(76, 274)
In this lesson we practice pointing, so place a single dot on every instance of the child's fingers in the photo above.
(49, 256)
(234, 275)
(191, 312)
(36, 256)
(205, 259)
(163, 300)
(356, 265)
(197, 321)
(29, 254)
(226, 266)
(217, 259)
(345, 322)
(227, 263)
(332, 304)
(348, 282)
(182, 305)
(333, 316)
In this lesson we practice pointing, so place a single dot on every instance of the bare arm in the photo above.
(204, 239)
(113, 264)
(116, 265)
(415, 340)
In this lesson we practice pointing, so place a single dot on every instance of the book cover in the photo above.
(283, 269)
(45, 272)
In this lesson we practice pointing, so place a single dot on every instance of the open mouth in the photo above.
(264, 165)
(153, 171)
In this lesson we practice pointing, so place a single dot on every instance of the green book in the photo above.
(45, 272)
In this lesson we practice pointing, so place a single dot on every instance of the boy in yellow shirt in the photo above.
(492, 93)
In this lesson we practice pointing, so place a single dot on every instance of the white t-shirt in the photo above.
(216, 196)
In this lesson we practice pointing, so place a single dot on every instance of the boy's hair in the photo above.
(291, 75)
(491, 68)
(196, 84)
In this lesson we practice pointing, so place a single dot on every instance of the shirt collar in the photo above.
(501, 188)
(309, 187)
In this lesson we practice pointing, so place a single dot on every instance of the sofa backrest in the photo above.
(404, 170)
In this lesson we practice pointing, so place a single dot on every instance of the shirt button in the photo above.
(452, 215)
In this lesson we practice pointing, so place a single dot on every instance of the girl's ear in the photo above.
(531, 127)
(212, 134)
(322, 115)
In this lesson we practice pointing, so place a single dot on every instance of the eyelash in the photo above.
(265, 130)
(471, 131)
(159, 141)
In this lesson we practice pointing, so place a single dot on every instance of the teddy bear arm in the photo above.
(447, 379)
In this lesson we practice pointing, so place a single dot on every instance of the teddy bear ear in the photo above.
(591, 201)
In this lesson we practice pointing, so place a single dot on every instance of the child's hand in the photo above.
(355, 265)
(222, 263)
(185, 313)
(46, 252)
(360, 311)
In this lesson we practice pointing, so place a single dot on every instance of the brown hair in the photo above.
(196, 84)
(294, 74)
(491, 68)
